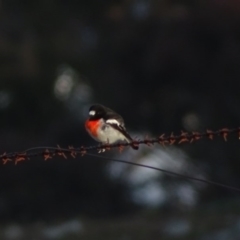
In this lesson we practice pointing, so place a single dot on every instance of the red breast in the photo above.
(92, 126)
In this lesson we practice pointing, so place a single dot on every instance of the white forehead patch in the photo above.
(92, 113)
(113, 121)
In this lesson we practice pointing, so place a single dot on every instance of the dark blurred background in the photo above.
(164, 66)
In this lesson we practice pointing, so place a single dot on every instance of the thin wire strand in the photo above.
(184, 137)
(168, 172)
(139, 165)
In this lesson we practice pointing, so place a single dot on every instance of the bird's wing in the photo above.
(120, 127)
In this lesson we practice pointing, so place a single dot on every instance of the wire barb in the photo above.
(184, 137)
(46, 155)
(73, 152)
(60, 152)
(163, 140)
(20, 157)
(5, 159)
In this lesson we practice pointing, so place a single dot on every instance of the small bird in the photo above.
(106, 126)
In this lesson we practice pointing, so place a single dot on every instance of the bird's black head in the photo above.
(97, 111)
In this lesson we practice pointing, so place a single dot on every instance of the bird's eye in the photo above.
(92, 113)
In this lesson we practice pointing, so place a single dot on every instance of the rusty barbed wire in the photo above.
(50, 152)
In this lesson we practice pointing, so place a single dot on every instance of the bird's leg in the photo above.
(103, 149)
